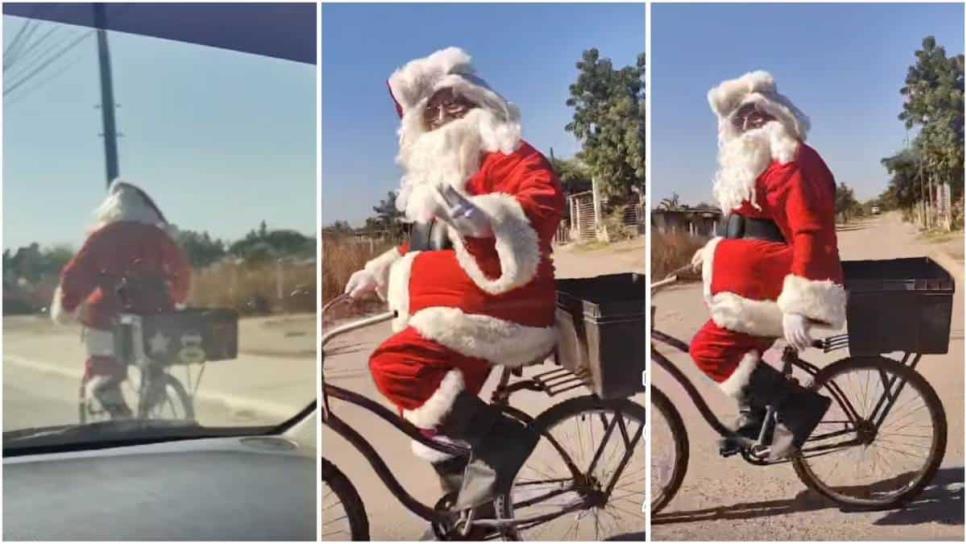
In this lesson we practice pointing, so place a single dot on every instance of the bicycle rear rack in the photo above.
(833, 343)
(560, 380)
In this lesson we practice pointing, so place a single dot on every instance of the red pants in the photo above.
(422, 377)
(718, 351)
(100, 365)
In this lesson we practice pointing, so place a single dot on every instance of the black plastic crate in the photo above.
(602, 327)
(898, 305)
(186, 336)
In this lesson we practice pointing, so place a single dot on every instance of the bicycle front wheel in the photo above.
(343, 512)
(670, 450)
(881, 441)
(585, 479)
(166, 398)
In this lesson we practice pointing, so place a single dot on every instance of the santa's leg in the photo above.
(733, 360)
(103, 377)
(436, 389)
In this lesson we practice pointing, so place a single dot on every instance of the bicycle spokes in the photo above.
(589, 484)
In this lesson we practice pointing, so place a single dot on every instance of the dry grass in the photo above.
(670, 251)
(254, 289)
(341, 256)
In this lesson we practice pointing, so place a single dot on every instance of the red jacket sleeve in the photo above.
(80, 277)
(524, 220)
(813, 287)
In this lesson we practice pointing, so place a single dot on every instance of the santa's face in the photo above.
(749, 117)
(445, 106)
(446, 156)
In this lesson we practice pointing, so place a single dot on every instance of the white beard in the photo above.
(449, 155)
(743, 157)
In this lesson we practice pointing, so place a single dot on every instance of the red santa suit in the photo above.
(749, 284)
(130, 239)
(489, 301)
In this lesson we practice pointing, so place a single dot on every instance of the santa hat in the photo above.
(414, 84)
(757, 88)
(128, 202)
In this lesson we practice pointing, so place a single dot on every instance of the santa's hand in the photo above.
(463, 215)
(697, 260)
(361, 283)
(796, 328)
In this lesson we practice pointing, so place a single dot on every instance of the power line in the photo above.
(17, 62)
(10, 52)
(46, 63)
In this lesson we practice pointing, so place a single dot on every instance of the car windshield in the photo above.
(186, 292)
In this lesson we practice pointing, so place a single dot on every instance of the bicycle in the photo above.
(608, 490)
(156, 394)
(862, 428)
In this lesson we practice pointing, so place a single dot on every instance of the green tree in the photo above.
(672, 203)
(846, 204)
(573, 173)
(202, 250)
(933, 94)
(608, 121)
(388, 218)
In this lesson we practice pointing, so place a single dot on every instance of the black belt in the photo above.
(739, 226)
(430, 236)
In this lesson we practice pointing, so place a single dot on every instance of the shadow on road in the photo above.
(860, 224)
(941, 502)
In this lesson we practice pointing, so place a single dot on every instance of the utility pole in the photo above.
(107, 95)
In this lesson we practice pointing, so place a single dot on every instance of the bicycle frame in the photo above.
(553, 385)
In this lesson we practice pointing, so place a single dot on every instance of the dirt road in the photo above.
(728, 499)
(346, 366)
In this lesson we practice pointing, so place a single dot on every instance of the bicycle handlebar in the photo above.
(355, 325)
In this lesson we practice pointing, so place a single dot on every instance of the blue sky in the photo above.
(220, 139)
(525, 51)
(842, 64)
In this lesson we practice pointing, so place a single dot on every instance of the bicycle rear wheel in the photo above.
(586, 475)
(881, 441)
(670, 450)
(343, 512)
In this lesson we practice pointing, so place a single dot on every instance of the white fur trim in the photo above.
(435, 456)
(818, 300)
(745, 315)
(397, 293)
(741, 375)
(98, 343)
(757, 87)
(497, 341)
(438, 405)
(517, 245)
(379, 266)
(707, 266)
(416, 82)
(124, 202)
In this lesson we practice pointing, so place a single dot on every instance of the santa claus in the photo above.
(775, 272)
(474, 286)
(129, 263)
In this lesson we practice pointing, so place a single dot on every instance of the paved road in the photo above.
(727, 499)
(273, 378)
(346, 366)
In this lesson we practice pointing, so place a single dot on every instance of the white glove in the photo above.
(796, 328)
(463, 215)
(58, 314)
(697, 260)
(361, 283)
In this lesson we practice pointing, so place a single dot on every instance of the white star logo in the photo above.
(159, 343)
